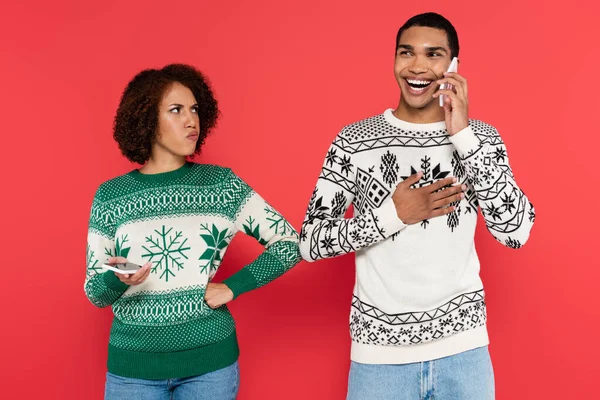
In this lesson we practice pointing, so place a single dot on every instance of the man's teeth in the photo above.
(421, 83)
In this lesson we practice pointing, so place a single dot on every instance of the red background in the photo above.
(288, 76)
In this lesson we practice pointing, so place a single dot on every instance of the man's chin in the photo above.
(418, 105)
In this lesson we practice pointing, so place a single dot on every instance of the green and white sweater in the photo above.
(182, 221)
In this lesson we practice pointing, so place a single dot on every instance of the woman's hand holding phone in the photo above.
(131, 279)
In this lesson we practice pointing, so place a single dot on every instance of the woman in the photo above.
(172, 335)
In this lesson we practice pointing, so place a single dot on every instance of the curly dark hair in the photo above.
(432, 20)
(136, 122)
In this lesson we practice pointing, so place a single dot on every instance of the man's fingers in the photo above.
(460, 89)
(458, 77)
(411, 180)
(449, 94)
(448, 200)
(448, 192)
(434, 187)
(450, 80)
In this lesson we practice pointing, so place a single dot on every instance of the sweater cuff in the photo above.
(241, 282)
(112, 282)
(465, 141)
(387, 218)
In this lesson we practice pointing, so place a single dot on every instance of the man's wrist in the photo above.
(459, 129)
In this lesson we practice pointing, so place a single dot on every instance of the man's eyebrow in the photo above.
(437, 48)
(429, 49)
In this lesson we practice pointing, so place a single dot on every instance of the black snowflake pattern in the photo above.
(346, 165)
(444, 322)
(383, 330)
(464, 313)
(508, 202)
(487, 175)
(512, 243)
(492, 211)
(426, 328)
(499, 155)
(328, 243)
(331, 157)
(343, 161)
(429, 175)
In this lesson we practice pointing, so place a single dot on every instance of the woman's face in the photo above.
(178, 122)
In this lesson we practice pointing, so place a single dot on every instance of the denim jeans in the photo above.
(222, 384)
(464, 376)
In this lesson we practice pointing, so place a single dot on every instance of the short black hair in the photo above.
(432, 20)
(136, 123)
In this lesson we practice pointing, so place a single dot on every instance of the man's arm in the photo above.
(508, 213)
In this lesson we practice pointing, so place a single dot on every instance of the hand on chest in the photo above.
(379, 172)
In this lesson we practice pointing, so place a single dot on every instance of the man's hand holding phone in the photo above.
(455, 100)
(131, 279)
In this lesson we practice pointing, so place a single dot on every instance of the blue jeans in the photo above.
(465, 376)
(222, 384)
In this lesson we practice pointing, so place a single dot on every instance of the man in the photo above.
(416, 176)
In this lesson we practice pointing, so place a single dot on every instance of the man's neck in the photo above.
(429, 114)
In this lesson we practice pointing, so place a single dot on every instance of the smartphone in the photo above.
(452, 68)
(122, 268)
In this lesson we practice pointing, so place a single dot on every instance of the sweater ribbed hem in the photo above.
(178, 364)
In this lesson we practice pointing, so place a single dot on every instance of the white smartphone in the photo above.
(122, 268)
(452, 68)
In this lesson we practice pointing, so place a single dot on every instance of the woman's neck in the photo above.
(157, 165)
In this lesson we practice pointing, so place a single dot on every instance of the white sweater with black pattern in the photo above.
(418, 295)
